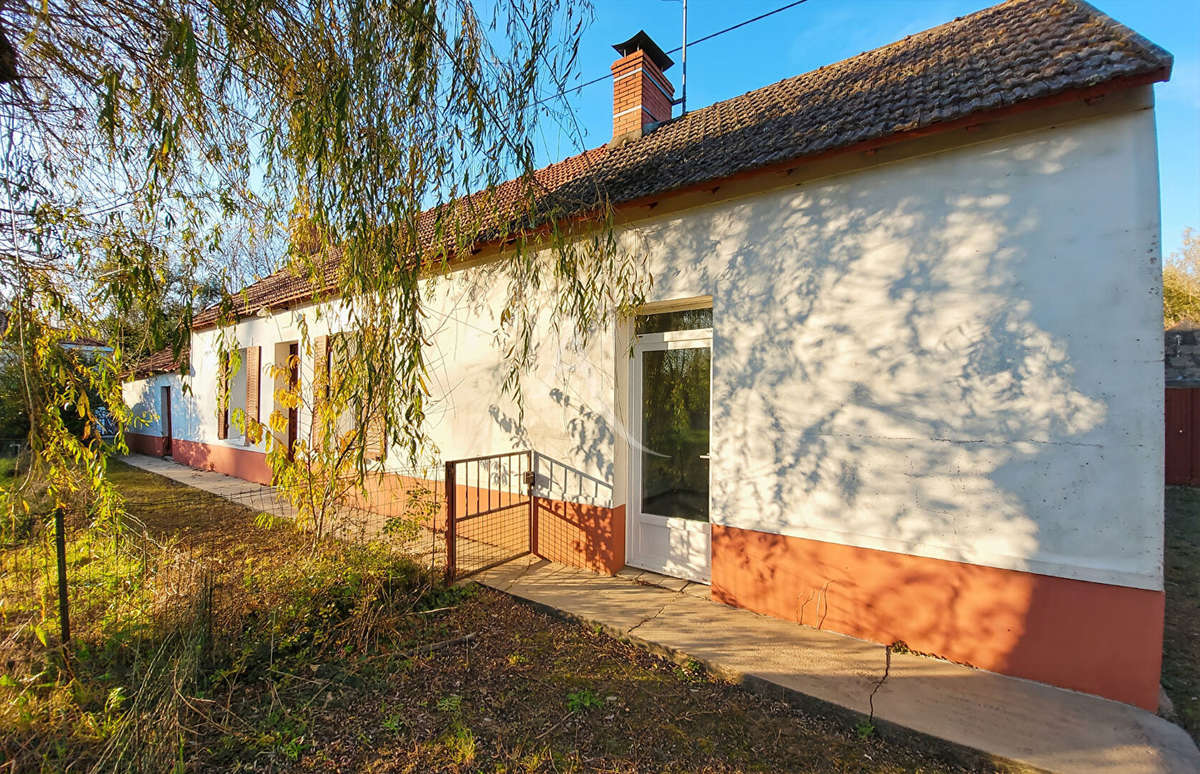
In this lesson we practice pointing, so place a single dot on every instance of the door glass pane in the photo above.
(675, 432)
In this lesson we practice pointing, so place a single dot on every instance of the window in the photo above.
(237, 393)
(679, 320)
(333, 352)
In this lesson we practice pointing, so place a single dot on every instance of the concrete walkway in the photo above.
(357, 525)
(1019, 720)
(229, 487)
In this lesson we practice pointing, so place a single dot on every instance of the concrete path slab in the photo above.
(359, 524)
(1022, 721)
(229, 487)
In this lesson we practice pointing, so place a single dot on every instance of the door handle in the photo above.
(704, 457)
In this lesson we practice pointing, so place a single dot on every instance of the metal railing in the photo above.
(489, 512)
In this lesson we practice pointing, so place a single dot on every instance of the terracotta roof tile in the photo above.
(1003, 55)
(163, 361)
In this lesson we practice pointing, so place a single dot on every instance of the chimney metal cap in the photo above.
(642, 42)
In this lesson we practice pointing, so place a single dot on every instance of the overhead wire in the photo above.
(677, 49)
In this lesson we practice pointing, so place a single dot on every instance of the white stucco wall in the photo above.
(144, 397)
(141, 395)
(569, 394)
(955, 356)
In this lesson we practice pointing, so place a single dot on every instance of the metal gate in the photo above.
(1182, 408)
(489, 511)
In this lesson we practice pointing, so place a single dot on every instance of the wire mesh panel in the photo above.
(400, 507)
(489, 511)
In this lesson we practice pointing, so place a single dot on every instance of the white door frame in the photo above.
(698, 338)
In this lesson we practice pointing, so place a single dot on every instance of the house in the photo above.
(85, 352)
(153, 431)
(910, 304)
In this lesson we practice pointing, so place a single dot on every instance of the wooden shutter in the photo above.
(376, 446)
(253, 369)
(223, 397)
(320, 380)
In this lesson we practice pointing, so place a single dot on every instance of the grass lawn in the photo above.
(528, 693)
(320, 662)
(1181, 637)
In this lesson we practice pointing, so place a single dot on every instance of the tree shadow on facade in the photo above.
(574, 522)
(895, 367)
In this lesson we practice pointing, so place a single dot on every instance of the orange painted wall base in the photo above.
(241, 463)
(140, 443)
(588, 536)
(1090, 637)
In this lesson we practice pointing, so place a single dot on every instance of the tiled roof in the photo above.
(163, 361)
(85, 342)
(1001, 56)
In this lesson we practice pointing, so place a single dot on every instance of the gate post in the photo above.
(451, 554)
(530, 486)
(60, 551)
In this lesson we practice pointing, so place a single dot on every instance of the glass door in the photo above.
(671, 373)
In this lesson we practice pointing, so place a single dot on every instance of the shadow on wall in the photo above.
(892, 378)
(518, 436)
(575, 524)
(144, 407)
(1089, 637)
(901, 363)
(592, 440)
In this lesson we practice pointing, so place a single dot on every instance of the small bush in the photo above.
(583, 700)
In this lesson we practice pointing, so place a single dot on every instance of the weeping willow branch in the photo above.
(163, 155)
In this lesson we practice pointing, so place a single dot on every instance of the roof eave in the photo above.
(1157, 75)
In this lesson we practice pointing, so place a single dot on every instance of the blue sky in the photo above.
(823, 31)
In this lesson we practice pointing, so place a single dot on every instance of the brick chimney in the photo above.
(642, 95)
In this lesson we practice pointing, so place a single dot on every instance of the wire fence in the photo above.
(162, 555)
(68, 579)
(489, 511)
(109, 571)
(166, 553)
(161, 582)
(402, 508)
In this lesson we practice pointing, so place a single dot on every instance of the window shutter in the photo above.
(223, 398)
(320, 380)
(253, 369)
(375, 448)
